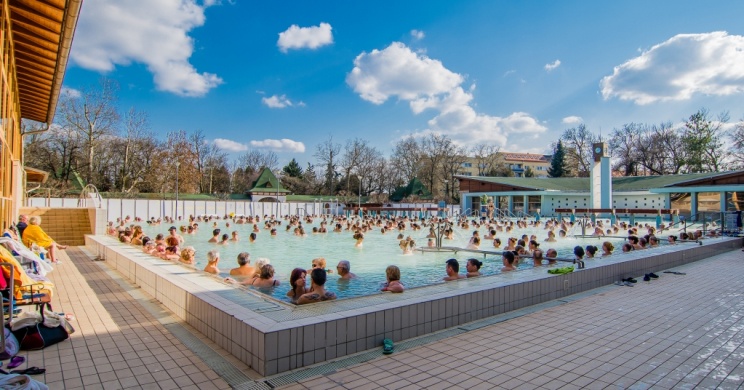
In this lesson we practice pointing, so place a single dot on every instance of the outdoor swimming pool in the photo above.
(287, 251)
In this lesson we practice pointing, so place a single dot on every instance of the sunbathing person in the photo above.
(393, 285)
(317, 292)
(34, 234)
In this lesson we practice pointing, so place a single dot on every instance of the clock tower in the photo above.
(601, 177)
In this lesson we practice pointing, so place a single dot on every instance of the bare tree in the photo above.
(578, 143)
(737, 137)
(327, 153)
(624, 145)
(486, 156)
(407, 157)
(93, 115)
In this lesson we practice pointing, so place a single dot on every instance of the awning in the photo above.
(34, 175)
(42, 32)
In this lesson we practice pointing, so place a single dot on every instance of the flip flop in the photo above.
(387, 346)
(30, 371)
(16, 361)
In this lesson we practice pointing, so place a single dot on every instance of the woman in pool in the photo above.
(392, 273)
(590, 251)
(319, 262)
(474, 243)
(265, 278)
(187, 255)
(672, 240)
(213, 257)
(473, 267)
(551, 237)
(511, 244)
(627, 247)
(359, 237)
(497, 243)
(297, 283)
(607, 248)
(225, 240)
(508, 260)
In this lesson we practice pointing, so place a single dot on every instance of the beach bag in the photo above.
(40, 336)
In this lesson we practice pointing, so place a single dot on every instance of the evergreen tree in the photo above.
(293, 169)
(558, 163)
(528, 172)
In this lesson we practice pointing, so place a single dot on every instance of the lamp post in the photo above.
(177, 165)
(359, 205)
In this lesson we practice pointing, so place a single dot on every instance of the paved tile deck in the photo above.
(674, 332)
(117, 343)
(677, 332)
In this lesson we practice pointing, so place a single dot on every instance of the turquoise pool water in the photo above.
(287, 251)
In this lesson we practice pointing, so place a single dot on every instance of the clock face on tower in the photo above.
(600, 150)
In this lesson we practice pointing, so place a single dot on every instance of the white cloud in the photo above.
(229, 145)
(425, 84)
(573, 119)
(153, 33)
(276, 101)
(677, 69)
(296, 37)
(397, 71)
(555, 64)
(280, 145)
(508, 72)
(71, 92)
(417, 35)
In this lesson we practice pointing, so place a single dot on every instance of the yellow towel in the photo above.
(35, 234)
(22, 282)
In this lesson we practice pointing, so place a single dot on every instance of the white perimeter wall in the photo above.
(146, 209)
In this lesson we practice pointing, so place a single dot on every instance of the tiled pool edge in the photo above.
(270, 347)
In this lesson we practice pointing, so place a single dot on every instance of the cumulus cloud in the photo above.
(280, 145)
(573, 119)
(417, 35)
(398, 71)
(677, 69)
(71, 92)
(296, 37)
(153, 33)
(277, 101)
(555, 64)
(423, 82)
(229, 145)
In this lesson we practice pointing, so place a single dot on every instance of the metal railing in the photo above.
(90, 194)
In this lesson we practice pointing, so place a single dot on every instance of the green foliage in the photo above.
(293, 169)
(558, 163)
(529, 172)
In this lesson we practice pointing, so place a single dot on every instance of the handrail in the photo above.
(90, 192)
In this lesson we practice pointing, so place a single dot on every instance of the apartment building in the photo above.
(516, 162)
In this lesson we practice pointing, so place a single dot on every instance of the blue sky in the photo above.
(286, 75)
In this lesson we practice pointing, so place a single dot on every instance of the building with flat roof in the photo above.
(518, 163)
(690, 194)
(36, 40)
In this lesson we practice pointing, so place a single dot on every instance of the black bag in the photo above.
(40, 336)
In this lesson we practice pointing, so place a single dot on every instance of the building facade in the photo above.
(517, 163)
(36, 38)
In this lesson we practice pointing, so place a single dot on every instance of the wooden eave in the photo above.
(41, 34)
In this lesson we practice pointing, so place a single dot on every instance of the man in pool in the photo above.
(344, 268)
(244, 266)
(318, 292)
(215, 236)
(452, 269)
